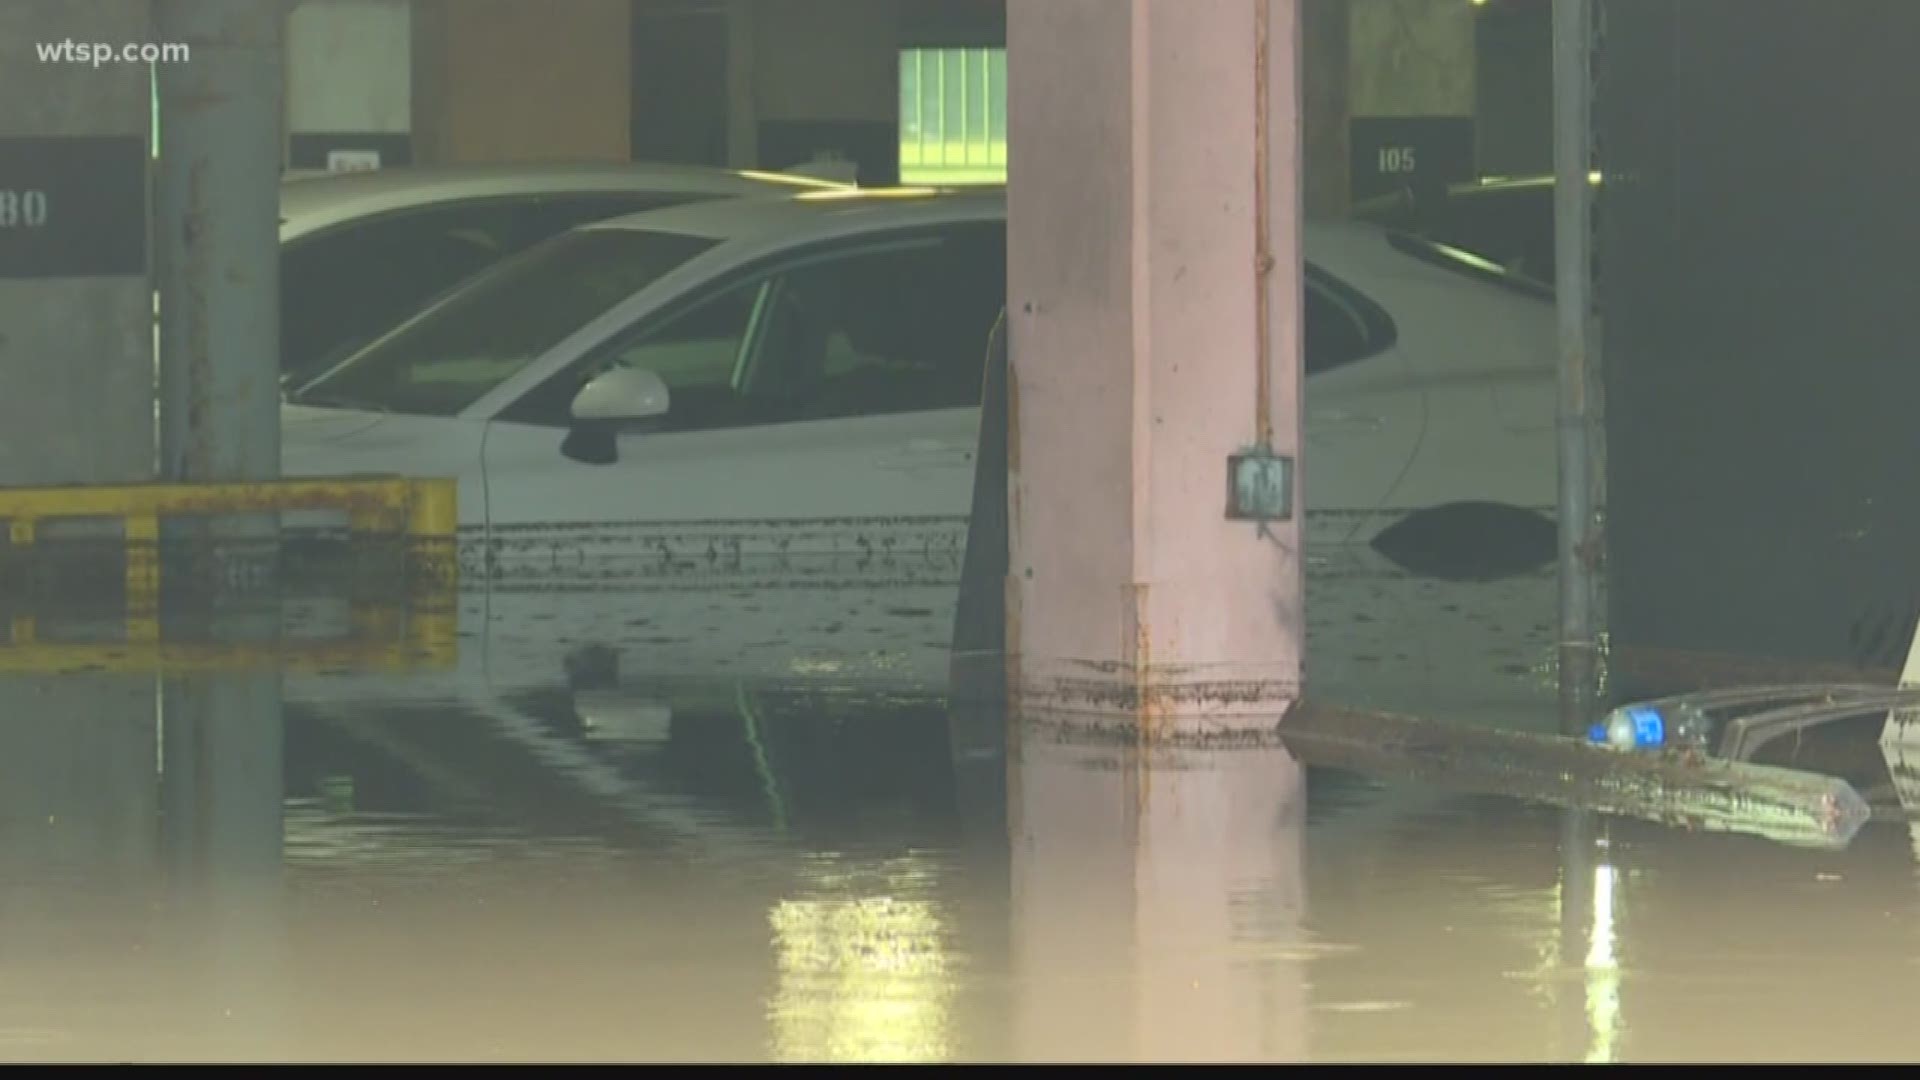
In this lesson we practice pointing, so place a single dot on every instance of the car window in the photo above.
(344, 287)
(862, 332)
(1342, 325)
(490, 328)
(901, 330)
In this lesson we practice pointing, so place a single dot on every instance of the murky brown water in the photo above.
(721, 873)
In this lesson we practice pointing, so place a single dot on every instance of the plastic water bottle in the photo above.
(1674, 725)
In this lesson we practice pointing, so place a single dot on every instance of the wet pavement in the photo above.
(651, 869)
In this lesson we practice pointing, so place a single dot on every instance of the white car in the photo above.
(736, 439)
(798, 369)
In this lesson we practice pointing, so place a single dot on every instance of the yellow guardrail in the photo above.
(398, 504)
(411, 508)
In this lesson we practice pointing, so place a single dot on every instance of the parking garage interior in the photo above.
(956, 531)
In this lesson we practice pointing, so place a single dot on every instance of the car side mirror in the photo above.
(621, 395)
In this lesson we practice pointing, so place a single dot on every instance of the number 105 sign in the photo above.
(73, 207)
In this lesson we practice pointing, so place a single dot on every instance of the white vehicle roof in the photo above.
(1341, 248)
(310, 203)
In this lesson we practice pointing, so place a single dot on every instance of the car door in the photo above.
(822, 421)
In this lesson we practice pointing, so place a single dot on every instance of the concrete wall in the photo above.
(1756, 290)
(518, 80)
(76, 352)
(349, 79)
(1325, 90)
(77, 794)
(349, 66)
(826, 59)
(508, 80)
(1412, 58)
(1411, 87)
(1514, 95)
(824, 75)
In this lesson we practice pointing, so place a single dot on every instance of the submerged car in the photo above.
(361, 251)
(804, 374)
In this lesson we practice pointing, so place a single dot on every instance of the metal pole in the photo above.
(218, 240)
(1573, 200)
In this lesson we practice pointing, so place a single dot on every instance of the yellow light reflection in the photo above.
(1603, 972)
(864, 974)
(867, 194)
(812, 183)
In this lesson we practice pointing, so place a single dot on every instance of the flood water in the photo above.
(281, 869)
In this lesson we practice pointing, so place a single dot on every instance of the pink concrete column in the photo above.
(1153, 304)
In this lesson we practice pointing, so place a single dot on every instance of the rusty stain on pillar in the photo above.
(1154, 288)
(217, 248)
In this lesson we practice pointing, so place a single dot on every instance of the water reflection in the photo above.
(866, 965)
(1588, 894)
(1156, 897)
(619, 865)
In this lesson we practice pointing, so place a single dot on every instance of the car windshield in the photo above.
(485, 332)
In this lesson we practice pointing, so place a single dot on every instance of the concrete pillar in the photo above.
(218, 241)
(477, 97)
(1148, 347)
(1158, 898)
(1412, 93)
(349, 84)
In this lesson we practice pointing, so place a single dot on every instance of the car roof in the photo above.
(1335, 246)
(816, 215)
(309, 203)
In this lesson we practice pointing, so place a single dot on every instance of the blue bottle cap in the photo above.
(1649, 727)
